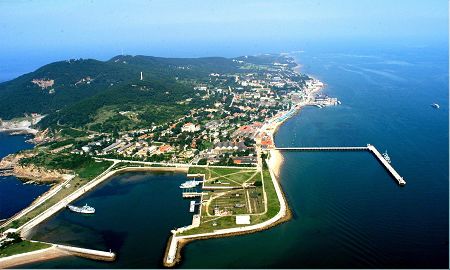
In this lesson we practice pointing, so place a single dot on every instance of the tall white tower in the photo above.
(141, 76)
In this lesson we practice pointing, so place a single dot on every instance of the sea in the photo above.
(16, 194)
(348, 212)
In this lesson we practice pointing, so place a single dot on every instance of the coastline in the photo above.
(274, 163)
(177, 243)
(33, 256)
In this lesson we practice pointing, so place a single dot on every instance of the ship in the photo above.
(190, 184)
(386, 157)
(83, 210)
(435, 105)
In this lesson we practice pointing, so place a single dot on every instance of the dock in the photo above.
(386, 164)
(369, 148)
(326, 148)
(192, 194)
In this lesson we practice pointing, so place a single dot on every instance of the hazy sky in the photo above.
(64, 28)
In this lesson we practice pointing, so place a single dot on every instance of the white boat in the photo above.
(386, 157)
(190, 184)
(435, 105)
(83, 210)
(192, 207)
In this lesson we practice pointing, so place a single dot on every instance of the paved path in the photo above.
(63, 203)
(37, 202)
(173, 164)
(171, 254)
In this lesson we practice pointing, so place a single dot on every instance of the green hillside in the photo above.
(91, 93)
(109, 95)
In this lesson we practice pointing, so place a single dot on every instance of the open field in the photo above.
(21, 247)
(220, 206)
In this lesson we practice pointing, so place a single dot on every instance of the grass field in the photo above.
(250, 200)
(21, 247)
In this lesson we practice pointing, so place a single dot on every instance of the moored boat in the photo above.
(190, 184)
(386, 157)
(86, 209)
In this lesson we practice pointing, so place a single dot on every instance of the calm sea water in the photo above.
(14, 194)
(134, 215)
(348, 212)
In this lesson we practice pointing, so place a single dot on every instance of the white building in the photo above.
(189, 127)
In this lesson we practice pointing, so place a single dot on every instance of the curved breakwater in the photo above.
(347, 212)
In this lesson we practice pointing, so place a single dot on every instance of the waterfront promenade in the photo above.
(172, 251)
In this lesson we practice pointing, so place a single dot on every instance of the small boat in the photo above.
(386, 157)
(192, 207)
(83, 210)
(435, 105)
(190, 184)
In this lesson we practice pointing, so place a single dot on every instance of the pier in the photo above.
(369, 148)
(326, 148)
(386, 164)
(192, 194)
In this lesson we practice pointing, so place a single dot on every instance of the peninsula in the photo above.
(212, 118)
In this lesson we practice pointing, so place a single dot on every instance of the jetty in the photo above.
(192, 194)
(369, 148)
(386, 164)
(326, 148)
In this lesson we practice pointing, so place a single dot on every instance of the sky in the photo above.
(36, 32)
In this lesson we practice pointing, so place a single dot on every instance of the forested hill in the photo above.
(67, 82)
(98, 95)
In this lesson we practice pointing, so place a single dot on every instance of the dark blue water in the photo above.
(134, 215)
(14, 194)
(348, 212)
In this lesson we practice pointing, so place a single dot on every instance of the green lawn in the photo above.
(211, 223)
(21, 247)
(91, 169)
(235, 176)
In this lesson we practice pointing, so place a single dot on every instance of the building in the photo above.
(243, 220)
(222, 147)
(164, 148)
(244, 160)
(190, 127)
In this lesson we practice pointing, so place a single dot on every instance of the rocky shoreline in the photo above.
(10, 166)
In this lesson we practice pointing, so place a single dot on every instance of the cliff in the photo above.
(10, 165)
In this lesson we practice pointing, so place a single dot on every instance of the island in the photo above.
(211, 118)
